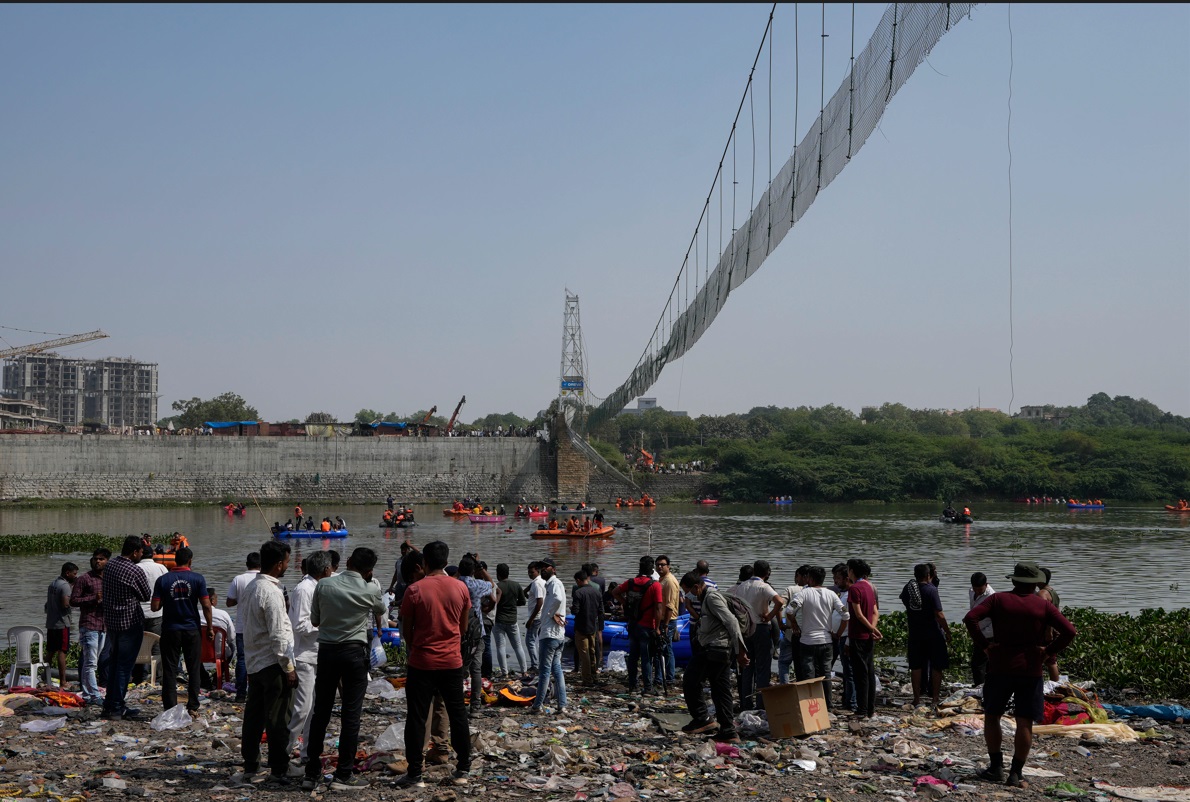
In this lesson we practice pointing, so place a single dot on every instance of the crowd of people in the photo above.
(297, 650)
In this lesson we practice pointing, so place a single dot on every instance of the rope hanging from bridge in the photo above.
(904, 38)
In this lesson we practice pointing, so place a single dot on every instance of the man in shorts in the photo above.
(58, 618)
(928, 634)
(1020, 644)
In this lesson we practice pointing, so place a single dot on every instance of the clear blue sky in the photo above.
(336, 207)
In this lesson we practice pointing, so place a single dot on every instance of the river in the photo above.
(1122, 559)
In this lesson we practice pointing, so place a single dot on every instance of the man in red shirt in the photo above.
(643, 604)
(863, 634)
(1021, 622)
(434, 614)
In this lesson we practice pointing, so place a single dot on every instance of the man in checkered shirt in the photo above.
(124, 588)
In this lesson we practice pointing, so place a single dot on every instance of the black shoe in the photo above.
(241, 698)
(1015, 780)
(992, 774)
(409, 781)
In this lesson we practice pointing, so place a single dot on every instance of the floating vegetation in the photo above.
(64, 543)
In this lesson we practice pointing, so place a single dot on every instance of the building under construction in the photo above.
(115, 391)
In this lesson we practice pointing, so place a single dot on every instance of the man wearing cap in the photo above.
(551, 638)
(1021, 621)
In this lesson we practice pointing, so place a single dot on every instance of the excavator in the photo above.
(450, 426)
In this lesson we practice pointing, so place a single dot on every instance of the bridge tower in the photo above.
(572, 376)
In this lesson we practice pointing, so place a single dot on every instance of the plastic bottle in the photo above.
(1082, 750)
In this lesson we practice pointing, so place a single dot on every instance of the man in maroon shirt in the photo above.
(1021, 621)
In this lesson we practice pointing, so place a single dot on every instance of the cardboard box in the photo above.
(797, 708)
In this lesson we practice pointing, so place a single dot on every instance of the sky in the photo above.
(329, 208)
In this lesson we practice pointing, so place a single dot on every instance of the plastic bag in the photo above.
(176, 718)
(378, 658)
(382, 688)
(392, 739)
(44, 724)
(617, 661)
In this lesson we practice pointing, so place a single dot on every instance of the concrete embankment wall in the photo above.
(281, 468)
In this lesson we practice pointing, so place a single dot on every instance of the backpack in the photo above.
(472, 639)
(743, 614)
(633, 600)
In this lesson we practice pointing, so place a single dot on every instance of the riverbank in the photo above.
(607, 745)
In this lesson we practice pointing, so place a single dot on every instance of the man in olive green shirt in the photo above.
(343, 608)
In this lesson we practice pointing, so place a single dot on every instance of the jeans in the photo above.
(843, 651)
(241, 666)
(550, 665)
(759, 671)
(346, 664)
(92, 641)
(863, 666)
(188, 644)
(421, 686)
(531, 632)
(475, 669)
(713, 665)
(504, 634)
(787, 655)
(303, 705)
(638, 650)
(667, 651)
(267, 710)
(815, 661)
(125, 646)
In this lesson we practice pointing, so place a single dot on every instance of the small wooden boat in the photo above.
(487, 519)
(311, 534)
(594, 534)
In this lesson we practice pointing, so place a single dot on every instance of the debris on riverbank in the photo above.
(607, 746)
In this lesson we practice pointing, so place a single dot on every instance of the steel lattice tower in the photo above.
(572, 390)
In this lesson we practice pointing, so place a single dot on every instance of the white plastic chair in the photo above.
(22, 639)
(146, 658)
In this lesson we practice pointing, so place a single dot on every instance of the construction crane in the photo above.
(429, 415)
(49, 345)
(450, 426)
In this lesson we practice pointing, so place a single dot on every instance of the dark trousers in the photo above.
(864, 669)
(979, 665)
(815, 661)
(843, 652)
(151, 625)
(638, 650)
(186, 643)
(125, 646)
(759, 672)
(269, 697)
(713, 665)
(241, 665)
(421, 686)
(344, 664)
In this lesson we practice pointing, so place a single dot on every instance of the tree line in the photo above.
(1117, 448)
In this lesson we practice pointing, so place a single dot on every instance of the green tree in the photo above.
(320, 417)
(508, 420)
(226, 407)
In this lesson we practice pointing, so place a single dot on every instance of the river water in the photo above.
(1122, 559)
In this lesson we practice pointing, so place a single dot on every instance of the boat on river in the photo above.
(593, 534)
(1172, 508)
(956, 519)
(1096, 505)
(310, 534)
(487, 519)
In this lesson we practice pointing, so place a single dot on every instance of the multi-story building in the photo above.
(114, 391)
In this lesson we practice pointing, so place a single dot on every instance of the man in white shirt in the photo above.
(153, 570)
(766, 604)
(272, 675)
(305, 649)
(536, 597)
(980, 590)
(239, 586)
(813, 609)
(552, 638)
